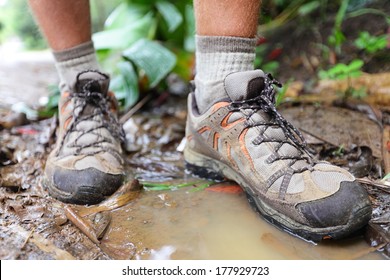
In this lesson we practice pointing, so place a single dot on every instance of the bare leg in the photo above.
(64, 23)
(227, 17)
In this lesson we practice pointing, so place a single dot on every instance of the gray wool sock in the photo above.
(216, 57)
(74, 60)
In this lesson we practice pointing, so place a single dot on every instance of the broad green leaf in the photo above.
(122, 38)
(270, 67)
(170, 13)
(356, 64)
(130, 79)
(125, 84)
(337, 69)
(355, 74)
(341, 76)
(156, 60)
(125, 14)
(184, 65)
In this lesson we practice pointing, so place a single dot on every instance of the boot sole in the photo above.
(205, 167)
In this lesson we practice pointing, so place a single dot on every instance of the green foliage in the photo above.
(339, 152)
(371, 44)
(263, 61)
(156, 60)
(158, 186)
(343, 71)
(282, 93)
(357, 93)
(337, 37)
(125, 84)
(146, 39)
(17, 21)
(51, 107)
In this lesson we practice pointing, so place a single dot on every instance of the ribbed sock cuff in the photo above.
(213, 44)
(72, 61)
(74, 52)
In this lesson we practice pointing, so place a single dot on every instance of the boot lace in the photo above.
(265, 102)
(100, 103)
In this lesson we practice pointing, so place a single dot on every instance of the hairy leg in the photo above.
(236, 18)
(66, 26)
(64, 23)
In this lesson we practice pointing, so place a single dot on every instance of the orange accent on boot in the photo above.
(219, 105)
(66, 123)
(215, 141)
(244, 149)
(63, 107)
(204, 129)
(228, 149)
(226, 126)
(65, 94)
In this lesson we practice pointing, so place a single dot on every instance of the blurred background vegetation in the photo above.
(141, 43)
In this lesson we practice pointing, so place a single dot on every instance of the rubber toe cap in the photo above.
(88, 186)
(350, 206)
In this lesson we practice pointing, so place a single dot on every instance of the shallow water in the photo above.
(190, 224)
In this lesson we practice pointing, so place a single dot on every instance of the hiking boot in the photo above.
(245, 139)
(86, 165)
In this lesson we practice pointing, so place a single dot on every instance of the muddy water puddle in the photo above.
(208, 223)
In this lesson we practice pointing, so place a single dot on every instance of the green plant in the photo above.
(337, 38)
(357, 93)
(371, 44)
(280, 97)
(339, 152)
(265, 59)
(343, 71)
(142, 42)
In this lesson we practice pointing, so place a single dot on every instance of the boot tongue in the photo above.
(91, 81)
(95, 81)
(244, 85)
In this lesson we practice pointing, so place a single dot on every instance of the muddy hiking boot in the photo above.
(86, 165)
(245, 139)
